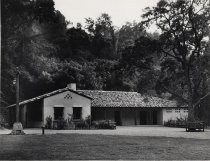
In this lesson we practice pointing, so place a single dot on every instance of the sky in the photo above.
(120, 11)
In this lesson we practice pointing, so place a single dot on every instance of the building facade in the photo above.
(125, 108)
(132, 108)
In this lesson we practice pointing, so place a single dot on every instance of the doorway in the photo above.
(143, 117)
(117, 118)
(58, 113)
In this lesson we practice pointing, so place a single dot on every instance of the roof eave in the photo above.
(49, 95)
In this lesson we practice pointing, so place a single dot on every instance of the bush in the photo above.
(88, 120)
(59, 124)
(81, 124)
(179, 122)
(48, 122)
(2, 123)
(69, 123)
(104, 124)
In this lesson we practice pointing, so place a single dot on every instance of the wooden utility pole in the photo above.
(17, 97)
(17, 126)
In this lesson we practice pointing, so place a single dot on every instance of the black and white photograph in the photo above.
(105, 80)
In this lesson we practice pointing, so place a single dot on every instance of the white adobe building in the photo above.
(125, 108)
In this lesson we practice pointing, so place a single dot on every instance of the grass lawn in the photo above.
(76, 146)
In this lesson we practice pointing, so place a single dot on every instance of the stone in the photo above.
(17, 129)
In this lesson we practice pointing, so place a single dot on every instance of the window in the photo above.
(58, 113)
(177, 110)
(169, 111)
(77, 113)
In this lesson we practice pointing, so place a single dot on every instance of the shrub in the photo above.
(81, 124)
(48, 122)
(104, 124)
(179, 122)
(88, 120)
(69, 123)
(61, 123)
(1, 122)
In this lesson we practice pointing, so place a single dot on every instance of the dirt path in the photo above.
(127, 130)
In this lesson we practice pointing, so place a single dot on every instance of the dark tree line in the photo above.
(35, 38)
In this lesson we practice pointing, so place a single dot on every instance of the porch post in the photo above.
(43, 121)
(152, 115)
(149, 117)
(105, 114)
(24, 115)
(139, 113)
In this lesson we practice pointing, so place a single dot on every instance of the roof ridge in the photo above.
(107, 91)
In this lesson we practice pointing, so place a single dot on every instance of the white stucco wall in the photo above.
(59, 100)
(174, 113)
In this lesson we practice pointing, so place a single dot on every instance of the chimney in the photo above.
(72, 86)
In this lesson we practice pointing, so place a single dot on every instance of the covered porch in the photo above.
(30, 114)
(128, 116)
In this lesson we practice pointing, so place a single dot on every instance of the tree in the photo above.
(103, 36)
(184, 25)
(141, 64)
(24, 43)
(127, 35)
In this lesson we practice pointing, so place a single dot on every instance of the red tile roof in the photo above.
(112, 99)
(125, 99)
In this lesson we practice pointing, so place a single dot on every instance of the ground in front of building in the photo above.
(113, 144)
(146, 130)
(77, 146)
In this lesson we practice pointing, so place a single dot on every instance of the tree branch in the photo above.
(201, 99)
(174, 94)
(176, 57)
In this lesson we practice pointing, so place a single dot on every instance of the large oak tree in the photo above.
(184, 26)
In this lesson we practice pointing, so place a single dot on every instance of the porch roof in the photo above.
(125, 99)
(48, 95)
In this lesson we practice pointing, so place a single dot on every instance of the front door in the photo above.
(117, 118)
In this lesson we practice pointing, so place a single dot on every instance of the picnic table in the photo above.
(193, 126)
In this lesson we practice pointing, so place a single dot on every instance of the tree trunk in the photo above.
(191, 114)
